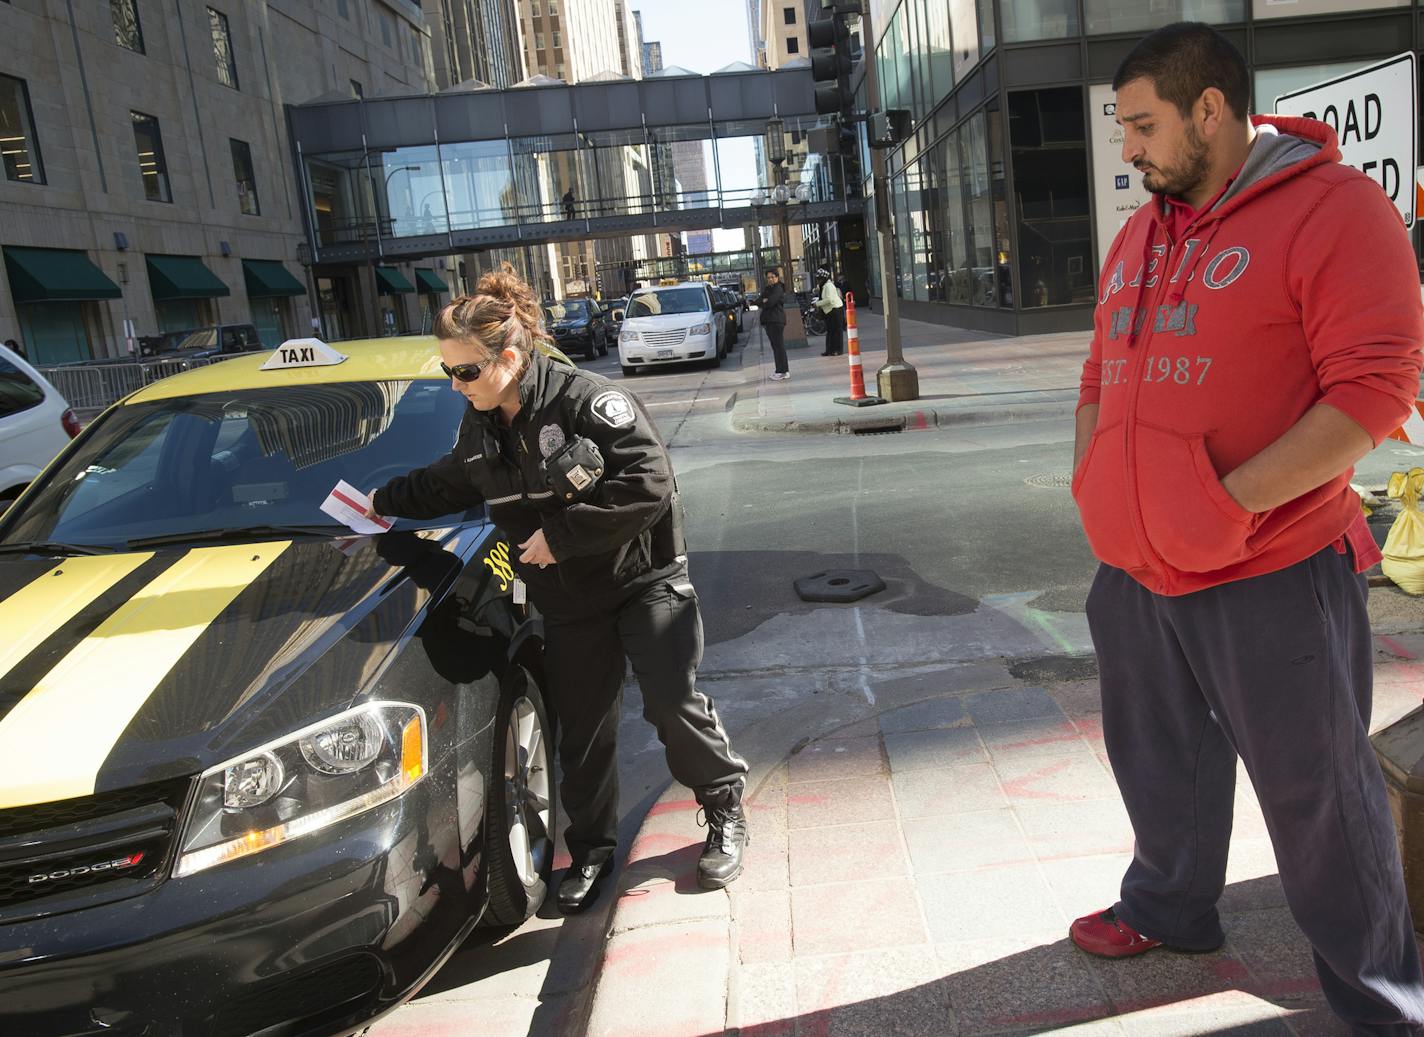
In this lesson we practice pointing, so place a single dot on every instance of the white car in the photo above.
(35, 424)
(670, 324)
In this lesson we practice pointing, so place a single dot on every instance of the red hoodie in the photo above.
(1298, 287)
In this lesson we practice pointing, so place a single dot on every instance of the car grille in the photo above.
(665, 338)
(61, 856)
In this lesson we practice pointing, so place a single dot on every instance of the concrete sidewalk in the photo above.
(966, 377)
(915, 874)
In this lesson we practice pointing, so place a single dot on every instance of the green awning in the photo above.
(269, 279)
(182, 277)
(56, 275)
(390, 281)
(430, 281)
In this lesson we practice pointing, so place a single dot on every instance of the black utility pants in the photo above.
(835, 331)
(1278, 669)
(775, 334)
(658, 628)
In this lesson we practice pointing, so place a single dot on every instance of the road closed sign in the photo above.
(1372, 111)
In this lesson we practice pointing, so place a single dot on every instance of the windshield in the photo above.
(202, 338)
(570, 309)
(675, 300)
(248, 457)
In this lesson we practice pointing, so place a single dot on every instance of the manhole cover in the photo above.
(1051, 480)
(839, 585)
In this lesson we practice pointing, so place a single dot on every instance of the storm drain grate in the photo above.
(882, 430)
(1051, 480)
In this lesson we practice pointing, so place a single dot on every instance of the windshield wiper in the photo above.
(236, 533)
(54, 547)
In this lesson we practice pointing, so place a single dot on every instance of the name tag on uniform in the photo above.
(520, 597)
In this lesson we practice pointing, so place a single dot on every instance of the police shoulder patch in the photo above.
(613, 408)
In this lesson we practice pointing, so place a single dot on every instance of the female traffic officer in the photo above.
(574, 472)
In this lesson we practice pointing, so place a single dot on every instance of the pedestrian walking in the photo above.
(832, 307)
(574, 472)
(773, 322)
(1257, 331)
(569, 204)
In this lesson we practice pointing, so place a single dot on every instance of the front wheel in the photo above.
(628, 372)
(590, 351)
(520, 812)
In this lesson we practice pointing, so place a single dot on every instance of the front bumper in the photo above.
(316, 937)
(635, 353)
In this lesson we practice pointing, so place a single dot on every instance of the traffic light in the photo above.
(831, 62)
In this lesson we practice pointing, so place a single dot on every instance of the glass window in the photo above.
(941, 50)
(538, 41)
(965, 29)
(936, 254)
(674, 300)
(274, 454)
(1038, 19)
(246, 181)
(793, 46)
(1270, 83)
(343, 8)
(386, 27)
(1003, 242)
(127, 30)
(1296, 8)
(1135, 16)
(222, 48)
(919, 56)
(981, 212)
(1050, 156)
(151, 163)
(479, 184)
(18, 145)
(986, 25)
(18, 390)
(788, 15)
(918, 179)
(904, 260)
(956, 274)
(555, 40)
(356, 89)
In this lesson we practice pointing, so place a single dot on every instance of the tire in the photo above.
(716, 361)
(591, 353)
(520, 811)
(628, 372)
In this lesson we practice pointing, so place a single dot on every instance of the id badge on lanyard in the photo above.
(521, 596)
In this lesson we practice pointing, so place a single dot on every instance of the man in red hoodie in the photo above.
(1258, 331)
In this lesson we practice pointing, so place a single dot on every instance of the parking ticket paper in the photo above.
(348, 506)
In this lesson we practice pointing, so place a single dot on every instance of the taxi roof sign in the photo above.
(303, 352)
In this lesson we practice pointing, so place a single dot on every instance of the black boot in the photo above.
(727, 837)
(579, 887)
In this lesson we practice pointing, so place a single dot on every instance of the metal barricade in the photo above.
(93, 386)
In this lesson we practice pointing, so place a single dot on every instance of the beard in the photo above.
(1180, 178)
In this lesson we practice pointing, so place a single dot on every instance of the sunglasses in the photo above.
(466, 372)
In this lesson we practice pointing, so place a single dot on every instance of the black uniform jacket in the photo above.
(631, 524)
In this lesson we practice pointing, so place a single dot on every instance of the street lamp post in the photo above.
(898, 379)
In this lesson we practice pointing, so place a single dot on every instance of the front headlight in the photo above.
(700, 329)
(629, 335)
(304, 783)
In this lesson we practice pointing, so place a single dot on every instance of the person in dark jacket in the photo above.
(573, 471)
(773, 319)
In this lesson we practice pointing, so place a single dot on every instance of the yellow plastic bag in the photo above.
(1404, 547)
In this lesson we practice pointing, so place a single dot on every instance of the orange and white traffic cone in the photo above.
(857, 397)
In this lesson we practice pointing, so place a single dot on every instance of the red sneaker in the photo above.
(1108, 936)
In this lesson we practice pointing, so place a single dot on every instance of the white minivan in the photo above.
(35, 424)
(667, 325)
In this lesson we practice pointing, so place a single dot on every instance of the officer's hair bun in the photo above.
(503, 313)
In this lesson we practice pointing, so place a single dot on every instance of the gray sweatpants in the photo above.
(1278, 669)
(658, 628)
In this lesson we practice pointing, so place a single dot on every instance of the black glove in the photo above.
(573, 471)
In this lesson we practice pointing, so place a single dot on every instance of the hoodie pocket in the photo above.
(1189, 518)
(1099, 487)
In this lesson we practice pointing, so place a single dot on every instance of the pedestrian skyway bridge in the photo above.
(473, 168)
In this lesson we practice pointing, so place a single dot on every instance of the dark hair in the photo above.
(1183, 60)
(502, 313)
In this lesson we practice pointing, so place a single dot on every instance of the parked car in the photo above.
(731, 314)
(671, 324)
(616, 309)
(258, 774)
(217, 341)
(578, 325)
(35, 424)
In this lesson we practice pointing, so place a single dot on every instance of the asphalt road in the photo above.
(975, 535)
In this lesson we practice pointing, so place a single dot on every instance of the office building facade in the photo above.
(148, 181)
(1010, 189)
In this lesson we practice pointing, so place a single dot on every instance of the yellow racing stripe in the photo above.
(56, 739)
(46, 603)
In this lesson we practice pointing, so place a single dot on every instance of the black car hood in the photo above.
(137, 667)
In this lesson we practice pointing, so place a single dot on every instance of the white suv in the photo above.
(35, 424)
(669, 324)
